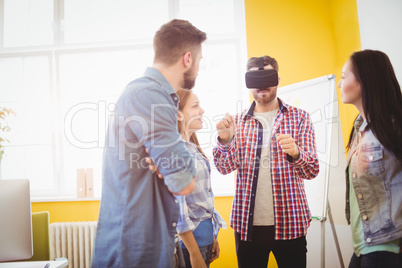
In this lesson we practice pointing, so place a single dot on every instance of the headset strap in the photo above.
(261, 63)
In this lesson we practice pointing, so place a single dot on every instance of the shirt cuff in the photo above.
(225, 147)
(176, 182)
(183, 227)
(300, 161)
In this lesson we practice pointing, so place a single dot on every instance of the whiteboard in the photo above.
(317, 97)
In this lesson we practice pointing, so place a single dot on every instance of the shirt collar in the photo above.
(360, 124)
(282, 107)
(190, 144)
(158, 77)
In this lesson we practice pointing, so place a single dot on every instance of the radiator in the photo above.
(74, 241)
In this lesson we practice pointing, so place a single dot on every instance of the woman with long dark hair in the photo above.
(374, 170)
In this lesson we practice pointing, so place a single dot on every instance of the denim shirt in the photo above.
(138, 214)
(377, 181)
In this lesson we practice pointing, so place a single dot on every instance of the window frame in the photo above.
(59, 47)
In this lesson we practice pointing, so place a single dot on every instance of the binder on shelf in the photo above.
(81, 184)
(89, 179)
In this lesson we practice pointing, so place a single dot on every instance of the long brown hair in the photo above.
(183, 96)
(381, 97)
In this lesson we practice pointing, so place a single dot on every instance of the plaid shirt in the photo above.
(199, 204)
(291, 212)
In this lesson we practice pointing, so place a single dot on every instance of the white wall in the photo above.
(380, 24)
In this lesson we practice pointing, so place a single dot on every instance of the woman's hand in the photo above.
(215, 251)
(151, 165)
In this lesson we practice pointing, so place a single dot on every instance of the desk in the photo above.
(34, 264)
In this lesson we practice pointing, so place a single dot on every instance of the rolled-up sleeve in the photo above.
(154, 123)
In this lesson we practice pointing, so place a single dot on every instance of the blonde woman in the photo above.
(199, 222)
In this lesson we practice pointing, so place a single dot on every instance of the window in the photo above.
(65, 62)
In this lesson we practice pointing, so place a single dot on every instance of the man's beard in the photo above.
(266, 100)
(188, 81)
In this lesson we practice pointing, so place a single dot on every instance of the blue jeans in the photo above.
(206, 252)
(377, 259)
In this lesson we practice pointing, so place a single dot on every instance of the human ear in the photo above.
(180, 116)
(187, 59)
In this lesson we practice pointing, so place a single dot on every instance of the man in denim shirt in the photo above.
(138, 212)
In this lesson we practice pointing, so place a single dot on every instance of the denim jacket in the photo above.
(377, 181)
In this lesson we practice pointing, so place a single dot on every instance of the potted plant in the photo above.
(4, 112)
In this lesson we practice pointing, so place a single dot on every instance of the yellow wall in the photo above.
(309, 38)
(347, 40)
(69, 211)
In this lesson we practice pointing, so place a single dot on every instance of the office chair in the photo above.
(40, 236)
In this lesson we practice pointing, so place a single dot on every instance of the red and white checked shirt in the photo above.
(291, 212)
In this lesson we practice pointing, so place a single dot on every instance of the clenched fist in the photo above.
(288, 145)
(226, 128)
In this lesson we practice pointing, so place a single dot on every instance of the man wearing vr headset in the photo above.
(272, 147)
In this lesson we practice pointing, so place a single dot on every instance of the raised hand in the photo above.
(226, 128)
(288, 145)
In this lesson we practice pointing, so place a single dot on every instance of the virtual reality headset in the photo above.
(262, 78)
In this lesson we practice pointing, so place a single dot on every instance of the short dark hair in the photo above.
(174, 39)
(253, 62)
(381, 97)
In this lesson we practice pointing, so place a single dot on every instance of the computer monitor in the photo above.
(15, 220)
